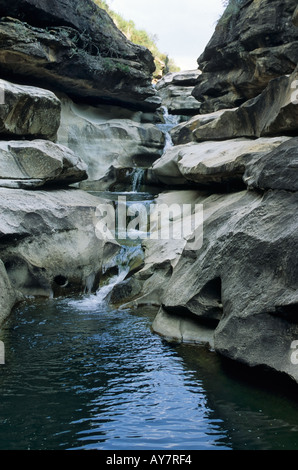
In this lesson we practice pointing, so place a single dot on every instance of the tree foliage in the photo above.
(163, 63)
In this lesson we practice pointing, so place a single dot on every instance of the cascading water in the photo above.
(133, 250)
(170, 121)
(137, 179)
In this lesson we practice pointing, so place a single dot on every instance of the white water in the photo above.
(137, 179)
(127, 253)
(123, 260)
(171, 121)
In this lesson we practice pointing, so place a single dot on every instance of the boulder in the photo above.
(253, 43)
(175, 91)
(183, 132)
(38, 163)
(81, 53)
(170, 232)
(243, 280)
(211, 164)
(48, 241)
(277, 169)
(274, 112)
(28, 112)
(107, 138)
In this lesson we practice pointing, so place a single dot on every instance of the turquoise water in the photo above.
(80, 375)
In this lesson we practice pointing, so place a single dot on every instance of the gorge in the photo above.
(82, 127)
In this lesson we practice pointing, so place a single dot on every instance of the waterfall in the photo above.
(128, 253)
(123, 260)
(137, 179)
(170, 121)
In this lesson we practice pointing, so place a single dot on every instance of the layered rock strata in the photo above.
(175, 91)
(254, 42)
(74, 47)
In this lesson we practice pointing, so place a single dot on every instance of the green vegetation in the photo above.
(163, 63)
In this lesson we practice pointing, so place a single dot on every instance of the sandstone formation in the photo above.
(74, 47)
(28, 112)
(32, 164)
(184, 132)
(277, 169)
(237, 292)
(108, 139)
(48, 241)
(175, 91)
(211, 164)
(254, 42)
(273, 112)
(295, 17)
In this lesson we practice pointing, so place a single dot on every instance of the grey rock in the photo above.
(211, 163)
(108, 138)
(183, 132)
(275, 170)
(49, 243)
(8, 295)
(28, 112)
(253, 43)
(244, 278)
(273, 112)
(295, 17)
(175, 91)
(104, 67)
(38, 163)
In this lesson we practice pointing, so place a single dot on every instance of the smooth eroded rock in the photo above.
(8, 295)
(108, 139)
(28, 112)
(244, 278)
(211, 163)
(38, 163)
(49, 243)
(277, 169)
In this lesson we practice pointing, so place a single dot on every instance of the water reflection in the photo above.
(101, 379)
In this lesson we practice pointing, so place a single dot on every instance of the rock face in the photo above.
(211, 164)
(273, 112)
(28, 112)
(38, 163)
(8, 295)
(75, 48)
(48, 241)
(244, 275)
(253, 43)
(237, 291)
(275, 170)
(175, 91)
(108, 139)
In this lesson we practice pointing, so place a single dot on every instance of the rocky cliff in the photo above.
(74, 47)
(254, 42)
(236, 290)
(76, 103)
(78, 109)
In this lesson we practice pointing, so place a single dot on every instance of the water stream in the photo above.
(80, 374)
